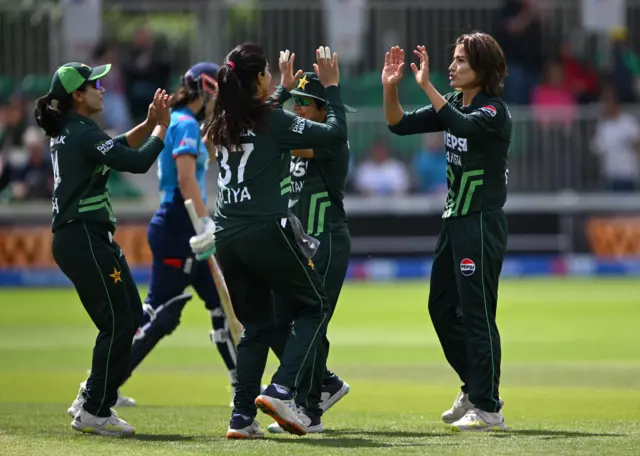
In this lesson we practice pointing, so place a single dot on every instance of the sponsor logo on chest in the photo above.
(454, 143)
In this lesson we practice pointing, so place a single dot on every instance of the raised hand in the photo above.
(327, 66)
(287, 79)
(393, 66)
(422, 72)
(161, 106)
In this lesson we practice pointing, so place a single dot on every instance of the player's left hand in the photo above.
(287, 79)
(422, 72)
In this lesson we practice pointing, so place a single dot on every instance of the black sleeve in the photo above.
(279, 97)
(121, 139)
(423, 120)
(105, 150)
(487, 119)
(294, 132)
(329, 153)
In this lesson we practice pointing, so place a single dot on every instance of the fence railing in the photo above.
(207, 29)
(543, 158)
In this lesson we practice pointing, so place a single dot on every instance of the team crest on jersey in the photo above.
(491, 110)
(467, 267)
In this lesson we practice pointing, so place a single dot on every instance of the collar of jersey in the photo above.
(87, 120)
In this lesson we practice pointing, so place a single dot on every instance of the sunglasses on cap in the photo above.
(302, 101)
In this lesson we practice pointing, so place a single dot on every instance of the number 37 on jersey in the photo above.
(231, 176)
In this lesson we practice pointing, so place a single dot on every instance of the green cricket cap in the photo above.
(309, 85)
(71, 76)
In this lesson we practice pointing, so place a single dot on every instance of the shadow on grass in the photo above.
(167, 438)
(550, 434)
(350, 443)
(391, 434)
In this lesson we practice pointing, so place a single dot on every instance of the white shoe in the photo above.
(480, 421)
(460, 407)
(312, 422)
(252, 431)
(76, 406)
(284, 412)
(123, 401)
(110, 425)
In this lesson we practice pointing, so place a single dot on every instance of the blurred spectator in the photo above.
(34, 179)
(380, 174)
(625, 66)
(429, 165)
(617, 142)
(520, 35)
(115, 114)
(553, 104)
(13, 122)
(580, 78)
(146, 67)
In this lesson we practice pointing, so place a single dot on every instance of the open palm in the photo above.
(393, 66)
(421, 71)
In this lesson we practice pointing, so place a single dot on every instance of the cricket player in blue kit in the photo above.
(182, 167)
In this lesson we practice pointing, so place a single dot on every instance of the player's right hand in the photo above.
(393, 66)
(203, 245)
(326, 66)
(288, 80)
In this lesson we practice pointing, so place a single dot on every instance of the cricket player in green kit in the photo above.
(259, 248)
(470, 250)
(318, 182)
(84, 225)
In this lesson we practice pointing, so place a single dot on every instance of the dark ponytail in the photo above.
(237, 108)
(48, 113)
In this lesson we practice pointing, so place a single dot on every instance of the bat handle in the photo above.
(193, 215)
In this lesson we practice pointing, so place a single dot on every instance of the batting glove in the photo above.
(203, 245)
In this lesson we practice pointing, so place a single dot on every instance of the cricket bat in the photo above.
(235, 327)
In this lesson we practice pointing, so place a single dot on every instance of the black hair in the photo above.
(237, 108)
(183, 96)
(50, 110)
(487, 60)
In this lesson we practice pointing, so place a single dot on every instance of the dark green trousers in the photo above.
(331, 261)
(94, 263)
(463, 299)
(265, 260)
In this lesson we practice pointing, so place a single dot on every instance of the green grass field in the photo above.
(571, 377)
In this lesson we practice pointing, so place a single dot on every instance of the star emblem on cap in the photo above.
(302, 82)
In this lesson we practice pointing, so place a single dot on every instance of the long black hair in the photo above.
(50, 110)
(237, 108)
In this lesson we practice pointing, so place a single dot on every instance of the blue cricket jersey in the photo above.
(183, 137)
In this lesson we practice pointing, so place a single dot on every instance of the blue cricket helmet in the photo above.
(201, 78)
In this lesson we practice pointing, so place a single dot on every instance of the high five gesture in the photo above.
(393, 67)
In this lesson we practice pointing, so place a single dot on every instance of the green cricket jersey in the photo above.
(255, 182)
(318, 186)
(82, 156)
(477, 140)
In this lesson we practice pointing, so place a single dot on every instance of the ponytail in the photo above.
(48, 113)
(237, 108)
